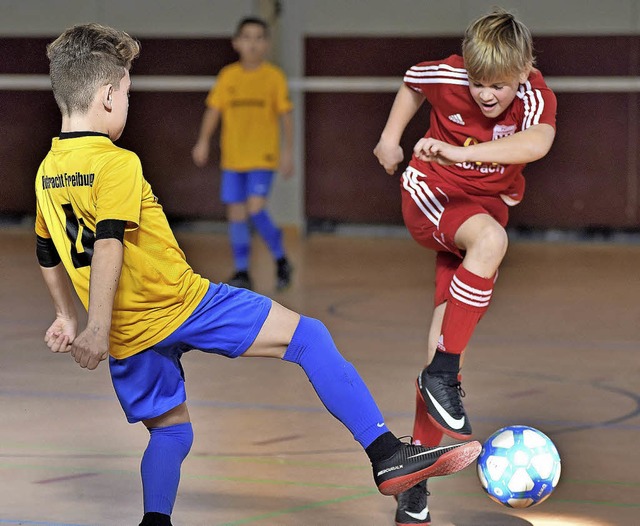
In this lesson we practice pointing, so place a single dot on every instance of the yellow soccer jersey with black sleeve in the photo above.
(250, 103)
(87, 179)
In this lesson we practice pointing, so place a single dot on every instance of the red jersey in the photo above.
(457, 119)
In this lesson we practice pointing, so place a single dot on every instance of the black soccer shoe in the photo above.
(241, 280)
(443, 394)
(412, 506)
(153, 518)
(283, 273)
(412, 464)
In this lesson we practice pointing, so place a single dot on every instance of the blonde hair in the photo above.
(497, 46)
(84, 58)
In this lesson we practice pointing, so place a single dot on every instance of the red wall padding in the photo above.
(589, 179)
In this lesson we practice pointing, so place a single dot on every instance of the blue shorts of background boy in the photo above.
(245, 195)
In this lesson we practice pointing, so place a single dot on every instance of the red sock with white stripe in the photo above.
(468, 299)
(424, 431)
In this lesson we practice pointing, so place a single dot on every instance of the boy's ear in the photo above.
(525, 74)
(106, 96)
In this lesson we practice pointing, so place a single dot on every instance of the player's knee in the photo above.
(310, 336)
(178, 436)
(492, 242)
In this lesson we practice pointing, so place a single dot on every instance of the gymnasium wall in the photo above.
(591, 177)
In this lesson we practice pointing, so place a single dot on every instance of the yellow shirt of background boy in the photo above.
(250, 103)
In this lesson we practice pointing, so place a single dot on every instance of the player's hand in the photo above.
(389, 155)
(435, 151)
(61, 334)
(200, 154)
(90, 348)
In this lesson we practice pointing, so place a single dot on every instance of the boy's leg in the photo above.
(170, 439)
(467, 299)
(424, 431)
(259, 184)
(150, 388)
(308, 343)
(233, 193)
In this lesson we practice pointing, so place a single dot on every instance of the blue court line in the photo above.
(566, 425)
(37, 523)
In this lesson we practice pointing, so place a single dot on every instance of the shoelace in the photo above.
(457, 402)
(414, 497)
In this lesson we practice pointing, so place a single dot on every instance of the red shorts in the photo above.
(433, 211)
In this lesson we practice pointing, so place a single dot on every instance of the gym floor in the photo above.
(558, 350)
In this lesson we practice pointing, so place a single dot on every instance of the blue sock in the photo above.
(335, 380)
(268, 231)
(240, 238)
(160, 467)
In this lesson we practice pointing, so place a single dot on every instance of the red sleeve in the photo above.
(539, 103)
(429, 77)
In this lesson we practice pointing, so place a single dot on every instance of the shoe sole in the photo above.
(448, 463)
(428, 523)
(447, 431)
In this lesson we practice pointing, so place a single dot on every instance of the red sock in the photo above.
(468, 299)
(424, 432)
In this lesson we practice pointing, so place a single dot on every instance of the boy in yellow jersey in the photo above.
(99, 224)
(251, 98)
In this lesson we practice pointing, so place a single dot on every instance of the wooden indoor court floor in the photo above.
(559, 350)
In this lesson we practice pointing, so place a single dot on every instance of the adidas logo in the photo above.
(457, 118)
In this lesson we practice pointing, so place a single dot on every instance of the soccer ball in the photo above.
(519, 466)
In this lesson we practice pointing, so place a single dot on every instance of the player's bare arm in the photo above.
(92, 344)
(520, 148)
(286, 158)
(200, 152)
(63, 330)
(388, 150)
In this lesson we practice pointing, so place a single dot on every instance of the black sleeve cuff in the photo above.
(111, 229)
(46, 252)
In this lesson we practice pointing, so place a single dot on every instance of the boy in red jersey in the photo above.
(99, 226)
(491, 114)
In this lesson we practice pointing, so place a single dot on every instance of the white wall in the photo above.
(317, 17)
(446, 17)
(138, 17)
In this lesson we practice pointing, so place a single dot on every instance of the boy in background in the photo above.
(100, 228)
(251, 99)
(491, 114)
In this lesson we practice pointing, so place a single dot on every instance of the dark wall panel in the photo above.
(28, 120)
(583, 180)
(162, 127)
(589, 179)
(344, 181)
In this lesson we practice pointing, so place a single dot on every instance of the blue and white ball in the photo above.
(519, 466)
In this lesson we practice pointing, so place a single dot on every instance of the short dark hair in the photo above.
(247, 20)
(85, 57)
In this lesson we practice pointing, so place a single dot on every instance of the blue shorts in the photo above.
(226, 322)
(236, 187)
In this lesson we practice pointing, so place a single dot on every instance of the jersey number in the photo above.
(81, 237)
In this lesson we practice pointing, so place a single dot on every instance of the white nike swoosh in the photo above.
(430, 450)
(419, 516)
(454, 423)
(380, 424)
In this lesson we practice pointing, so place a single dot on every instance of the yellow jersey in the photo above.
(87, 179)
(250, 103)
